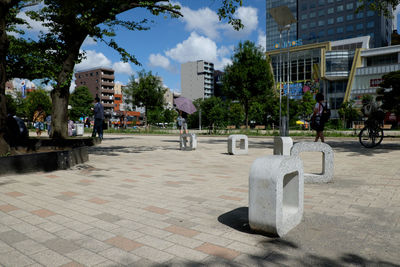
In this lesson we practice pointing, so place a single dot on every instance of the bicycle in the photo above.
(372, 134)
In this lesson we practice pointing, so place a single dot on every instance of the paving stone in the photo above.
(15, 258)
(123, 243)
(12, 236)
(186, 253)
(29, 247)
(107, 217)
(120, 256)
(50, 258)
(181, 231)
(60, 245)
(153, 254)
(92, 244)
(154, 242)
(86, 257)
(214, 250)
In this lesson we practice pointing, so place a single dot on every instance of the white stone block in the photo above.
(282, 145)
(327, 160)
(79, 129)
(243, 144)
(188, 142)
(276, 194)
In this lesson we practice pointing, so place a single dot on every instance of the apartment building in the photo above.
(100, 82)
(197, 79)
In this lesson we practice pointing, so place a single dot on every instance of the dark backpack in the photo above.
(326, 113)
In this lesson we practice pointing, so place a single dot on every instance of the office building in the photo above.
(197, 79)
(100, 82)
(343, 70)
(328, 20)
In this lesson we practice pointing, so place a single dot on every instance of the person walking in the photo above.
(182, 122)
(317, 119)
(98, 118)
(38, 120)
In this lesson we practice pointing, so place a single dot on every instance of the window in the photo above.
(304, 26)
(331, 21)
(304, 7)
(360, 15)
(359, 26)
(312, 24)
(370, 13)
(349, 6)
(339, 19)
(91, 74)
(321, 13)
(304, 16)
(321, 2)
(349, 17)
(350, 28)
(339, 8)
(97, 73)
(313, 15)
(321, 34)
(370, 24)
(339, 30)
(330, 1)
(312, 5)
(321, 23)
(330, 31)
(331, 10)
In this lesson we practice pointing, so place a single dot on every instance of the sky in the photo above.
(198, 35)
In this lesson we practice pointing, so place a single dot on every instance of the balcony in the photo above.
(107, 97)
(108, 84)
(107, 105)
(108, 76)
(107, 91)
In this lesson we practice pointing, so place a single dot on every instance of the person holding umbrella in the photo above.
(185, 106)
(182, 122)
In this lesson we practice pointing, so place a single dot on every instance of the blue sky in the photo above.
(198, 35)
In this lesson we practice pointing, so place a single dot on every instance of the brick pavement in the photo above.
(139, 201)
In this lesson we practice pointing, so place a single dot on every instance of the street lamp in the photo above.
(284, 18)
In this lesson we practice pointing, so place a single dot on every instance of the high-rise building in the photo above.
(197, 79)
(329, 20)
(100, 82)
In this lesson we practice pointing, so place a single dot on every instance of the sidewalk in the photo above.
(139, 201)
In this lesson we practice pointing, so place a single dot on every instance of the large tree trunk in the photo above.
(60, 94)
(4, 8)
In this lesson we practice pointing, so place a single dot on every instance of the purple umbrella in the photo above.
(185, 104)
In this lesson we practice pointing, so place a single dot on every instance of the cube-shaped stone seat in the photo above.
(327, 160)
(188, 142)
(282, 145)
(276, 193)
(243, 144)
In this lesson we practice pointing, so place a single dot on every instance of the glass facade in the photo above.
(272, 31)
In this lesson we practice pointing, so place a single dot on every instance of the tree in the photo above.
(389, 93)
(145, 91)
(248, 77)
(235, 114)
(35, 99)
(306, 106)
(348, 113)
(384, 6)
(213, 113)
(169, 115)
(81, 103)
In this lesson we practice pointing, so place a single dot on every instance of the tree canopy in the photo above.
(389, 93)
(249, 76)
(81, 103)
(145, 91)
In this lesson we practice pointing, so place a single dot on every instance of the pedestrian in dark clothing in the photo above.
(98, 118)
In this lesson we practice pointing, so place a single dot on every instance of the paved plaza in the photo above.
(139, 201)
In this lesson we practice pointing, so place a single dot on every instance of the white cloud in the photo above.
(262, 40)
(34, 26)
(123, 68)
(158, 60)
(249, 19)
(198, 47)
(89, 41)
(206, 21)
(93, 60)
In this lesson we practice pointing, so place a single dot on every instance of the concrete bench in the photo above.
(387, 127)
(327, 160)
(243, 144)
(188, 142)
(282, 145)
(276, 194)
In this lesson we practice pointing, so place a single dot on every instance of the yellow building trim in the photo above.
(323, 62)
(324, 45)
(356, 64)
